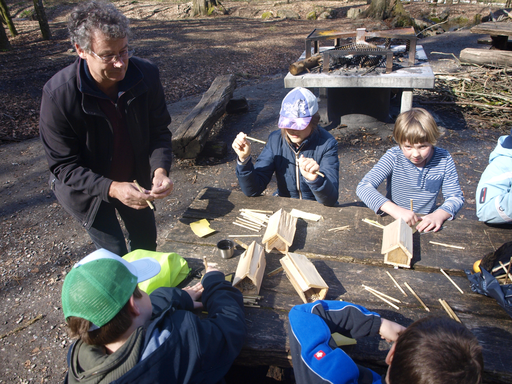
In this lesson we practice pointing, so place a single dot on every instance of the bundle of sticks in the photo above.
(252, 301)
(505, 278)
(253, 219)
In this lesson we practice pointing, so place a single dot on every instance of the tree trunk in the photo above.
(202, 7)
(4, 41)
(43, 21)
(6, 16)
(385, 9)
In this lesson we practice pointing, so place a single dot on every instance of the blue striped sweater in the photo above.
(405, 181)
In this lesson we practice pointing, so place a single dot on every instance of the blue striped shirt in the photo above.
(405, 181)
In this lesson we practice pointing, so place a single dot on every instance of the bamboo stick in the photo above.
(449, 310)
(339, 228)
(141, 190)
(243, 226)
(277, 270)
(380, 293)
(412, 209)
(205, 263)
(249, 223)
(499, 267)
(416, 296)
(374, 223)
(396, 283)
(255, 210)
(383, 299)
(256, 140)
(451, 281)
(244, 235)
(447, 245)
(506, 271)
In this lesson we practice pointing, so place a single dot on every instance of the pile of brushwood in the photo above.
(483, 94)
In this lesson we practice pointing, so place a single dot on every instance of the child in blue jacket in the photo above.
(415, 171)
(433, 350)
(126, 336)
(303, 156)
(494, 191)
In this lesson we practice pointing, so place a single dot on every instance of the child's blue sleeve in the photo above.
(315, 359)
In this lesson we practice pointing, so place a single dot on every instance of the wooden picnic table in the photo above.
(499, 32)
(346, 260)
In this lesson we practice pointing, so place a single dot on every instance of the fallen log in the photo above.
(486, 57)
(300, 66)
(190, 137)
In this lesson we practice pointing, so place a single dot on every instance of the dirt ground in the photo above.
(39, 241)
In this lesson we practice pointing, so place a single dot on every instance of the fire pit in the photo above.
(360, 70)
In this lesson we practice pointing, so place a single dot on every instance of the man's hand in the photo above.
(242, 147)
(162, 185)
(400, 213)
(389, 330)
(433, 221)
(129, 195)
(308, 167)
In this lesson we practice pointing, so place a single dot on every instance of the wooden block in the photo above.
(397, 244)
(250, 270)
(304, 277)
(190, 137)
(280, 231)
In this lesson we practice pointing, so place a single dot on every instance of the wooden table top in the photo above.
(346, 260)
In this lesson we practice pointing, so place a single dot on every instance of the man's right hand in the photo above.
(129, 195)
(242, 147)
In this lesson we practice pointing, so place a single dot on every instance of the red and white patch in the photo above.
(319, 355)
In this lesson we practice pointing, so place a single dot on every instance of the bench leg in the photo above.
(406, 104)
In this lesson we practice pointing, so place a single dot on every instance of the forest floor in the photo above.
(39, 241)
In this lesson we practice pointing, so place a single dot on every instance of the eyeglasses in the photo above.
(110, 59)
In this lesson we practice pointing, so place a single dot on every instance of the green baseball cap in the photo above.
(100, 285)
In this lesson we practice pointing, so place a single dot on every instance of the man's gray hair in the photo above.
(96, 16)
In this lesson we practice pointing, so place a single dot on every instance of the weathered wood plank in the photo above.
(267, 342)
(486, 56)
(190, 137)
(361, 243)
(493, 29)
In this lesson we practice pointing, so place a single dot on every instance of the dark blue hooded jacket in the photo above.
(280, 157)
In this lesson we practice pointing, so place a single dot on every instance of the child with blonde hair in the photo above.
(415, 170)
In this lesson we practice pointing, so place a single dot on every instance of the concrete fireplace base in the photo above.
(354, 99)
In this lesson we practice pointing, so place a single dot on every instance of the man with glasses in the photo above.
(104, 127)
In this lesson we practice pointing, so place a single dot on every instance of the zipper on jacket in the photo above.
(297, 174)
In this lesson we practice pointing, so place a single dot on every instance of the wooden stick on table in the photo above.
(396, 283)
(246, 227)
(141, 190)
(416, 296)
(383, 299)
(451, 281)
(447, 245)
(244, 235)
(449, 310)
(380, 293)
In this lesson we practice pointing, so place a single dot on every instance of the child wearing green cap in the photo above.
(126, 336)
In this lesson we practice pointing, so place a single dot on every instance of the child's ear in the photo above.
(391, 354)
(133, 307)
